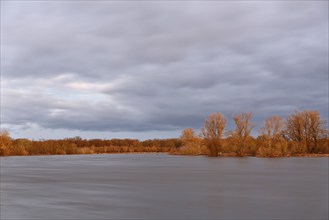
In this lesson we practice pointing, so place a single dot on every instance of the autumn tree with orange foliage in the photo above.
(303, 132)
(191, 143)
(188, 136)
(306, 128)
(5, 143)
(242, 131)
(212, 132)
(273, 133)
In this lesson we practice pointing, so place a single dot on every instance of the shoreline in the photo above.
(224, 155)
(310, 155)
(35, 155)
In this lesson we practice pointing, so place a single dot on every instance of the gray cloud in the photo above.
(145, 66)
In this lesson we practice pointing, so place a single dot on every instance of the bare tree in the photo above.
(242, 130)
(273, 131)
(317, 129)
(212, 132)
(306, 128)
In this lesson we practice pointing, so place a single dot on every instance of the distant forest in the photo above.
(302, 132)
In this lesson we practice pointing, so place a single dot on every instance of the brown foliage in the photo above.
(306, 128)
(5, 143)
(212, 132)
(272, 134)
(191, 144)
(188, 136)
(302, 133)
(242, 131)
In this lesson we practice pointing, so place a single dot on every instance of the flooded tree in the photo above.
(212, 132)
(242, 131)
(306, 128)
(272, 132)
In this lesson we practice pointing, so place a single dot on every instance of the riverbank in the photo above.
(176, 154)
(310, 155)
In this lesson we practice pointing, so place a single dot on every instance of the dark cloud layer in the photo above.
(145, 66)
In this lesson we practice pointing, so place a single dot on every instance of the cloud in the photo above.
(159, 66)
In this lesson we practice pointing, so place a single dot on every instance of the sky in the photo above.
(149, 69)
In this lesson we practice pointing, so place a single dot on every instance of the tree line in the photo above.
(77, 145)
(303, 132)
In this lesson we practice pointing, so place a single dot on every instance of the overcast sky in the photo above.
(147, 69)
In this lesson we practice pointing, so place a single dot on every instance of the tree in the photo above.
(212, 132)
(190, 143)
(5, 143)
(242, 130)
(272, 132)
(306, 128)
(188, 136)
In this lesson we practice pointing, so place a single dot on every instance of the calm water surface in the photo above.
(159, 186)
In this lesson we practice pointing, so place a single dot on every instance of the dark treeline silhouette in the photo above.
(301, 133)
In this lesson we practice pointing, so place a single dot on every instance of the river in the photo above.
(160, 186)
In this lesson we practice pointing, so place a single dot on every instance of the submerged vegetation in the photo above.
(302, 133)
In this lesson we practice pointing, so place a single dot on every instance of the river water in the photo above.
(160, 186)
